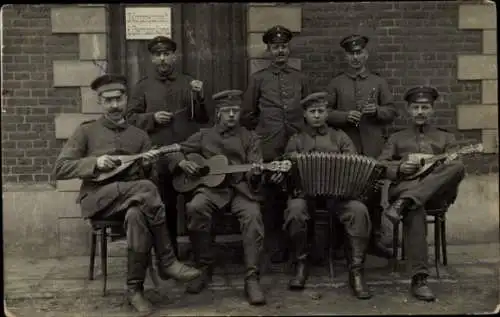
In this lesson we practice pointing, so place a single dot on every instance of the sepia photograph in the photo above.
(250, 159)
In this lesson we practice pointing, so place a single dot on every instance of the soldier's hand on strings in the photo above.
(354, 116)
(150, 157)
(196, 85)
(106, 163)
(370, 109)
(409, 167)
(277, 178)
(189, 167)
(256, 169)
(163, 117)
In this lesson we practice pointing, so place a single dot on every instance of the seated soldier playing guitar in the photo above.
(241, 191)
(89, 154)
(412, 195)
(318, 137)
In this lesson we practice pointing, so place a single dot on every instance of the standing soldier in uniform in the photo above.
(410, 197)
(242, 192)
(362, 105)
(170, 107)
(131, 197)
(271, 105)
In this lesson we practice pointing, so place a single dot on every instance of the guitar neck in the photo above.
(239, 168)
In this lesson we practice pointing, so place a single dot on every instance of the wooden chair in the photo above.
(436, 215)
(104, 230)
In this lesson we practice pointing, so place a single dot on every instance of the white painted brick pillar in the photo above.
(480, 67)
(89, 21)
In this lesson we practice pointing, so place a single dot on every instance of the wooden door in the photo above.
(210, 44)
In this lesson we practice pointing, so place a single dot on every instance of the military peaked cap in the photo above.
(109, 82)
(228, 98)
(424, 94)
(277, 34)
(162, 44)
(314, 99)
(354, 42)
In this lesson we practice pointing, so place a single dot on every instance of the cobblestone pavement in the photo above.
(59, 287)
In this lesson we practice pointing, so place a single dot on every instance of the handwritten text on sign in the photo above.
(144, 23)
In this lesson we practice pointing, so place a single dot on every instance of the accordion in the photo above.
(340, 176)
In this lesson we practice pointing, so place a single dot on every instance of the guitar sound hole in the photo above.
(204, 171)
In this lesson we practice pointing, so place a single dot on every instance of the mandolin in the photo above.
(125, 161)
(430, 161)
(213, 171)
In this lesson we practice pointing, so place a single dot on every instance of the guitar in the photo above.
(125, 161)
(430, 161)
(213, 171)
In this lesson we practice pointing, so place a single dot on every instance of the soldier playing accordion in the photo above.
(353, 214)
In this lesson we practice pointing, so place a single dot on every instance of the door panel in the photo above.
(210, 44)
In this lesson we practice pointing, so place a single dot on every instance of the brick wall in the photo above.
(29, 101)
(411, 43)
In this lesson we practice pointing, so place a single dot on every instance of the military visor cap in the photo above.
(277, 34)
(353, 43)
(227, 98)
(162, 44)
(314, 99)
(109, 85)
(421, 94)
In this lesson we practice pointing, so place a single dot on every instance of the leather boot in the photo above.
(253, 290)
(137, 264)
(419, 288)
(301, 255)
(201, 243)
(394, 212)
(168, 265)
(355, 253)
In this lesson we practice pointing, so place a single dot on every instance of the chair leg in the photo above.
(437, 244)
(93, 246)
(330, 242)
(443, 240)
(403, 248)
(104, 259)
(395, 242)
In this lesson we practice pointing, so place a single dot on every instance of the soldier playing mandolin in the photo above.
(318, 137)
(411, 196)
(241, 192)
(130, 196)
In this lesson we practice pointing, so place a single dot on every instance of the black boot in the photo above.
(419, 288)
(137, 264)
(168, 265)
(301, 256)
(355, 253)
(253, 290)
(201, 243)
(394, 212)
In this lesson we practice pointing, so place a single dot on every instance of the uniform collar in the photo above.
(110, 124)
(351, 73)
(277, 69)
(225, 131)
(323, 130)
(170, 77)
(421, 128)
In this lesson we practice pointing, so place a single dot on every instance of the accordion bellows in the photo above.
(340, 176)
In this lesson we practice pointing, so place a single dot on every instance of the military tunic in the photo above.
(348, 92)
(112, 199)
(271, 105)
(242, 192)
(441, 184)
(353, 214)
